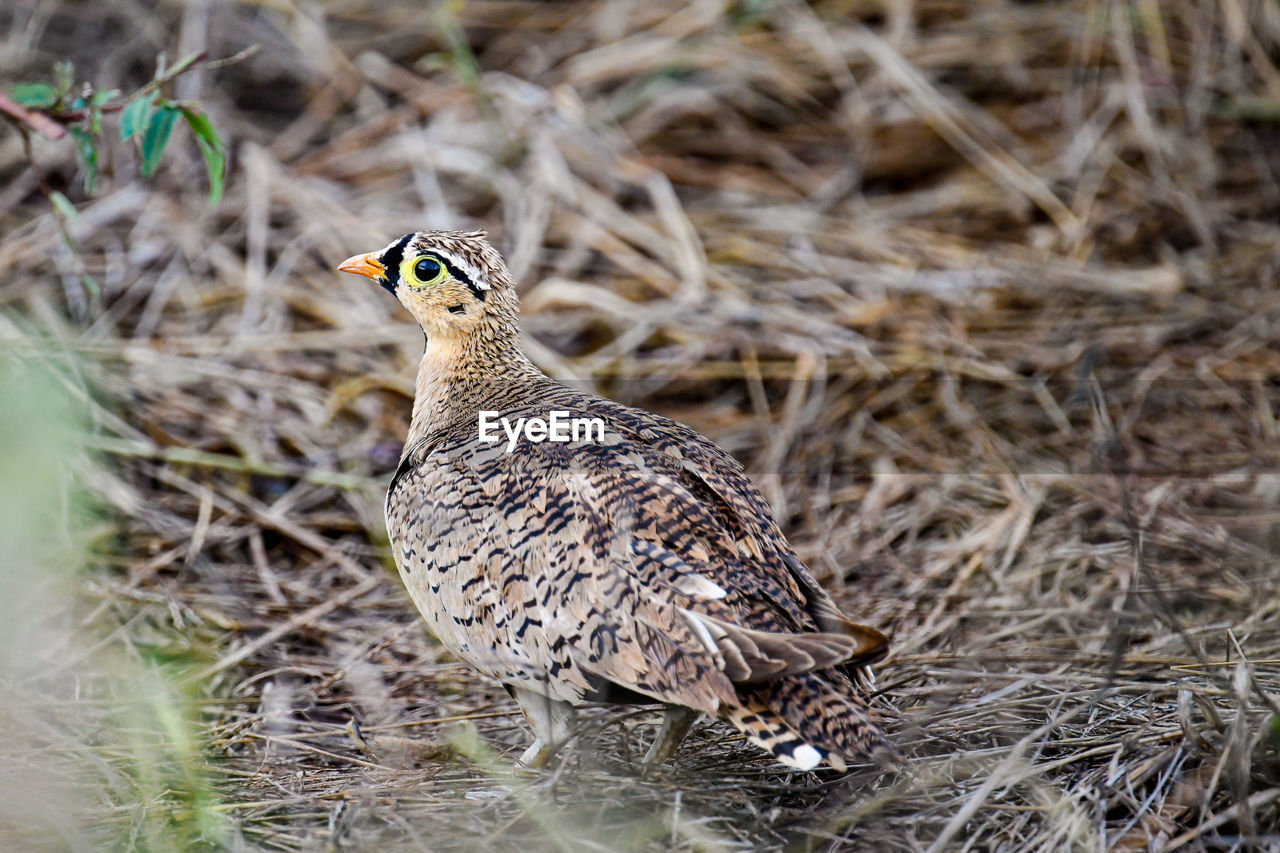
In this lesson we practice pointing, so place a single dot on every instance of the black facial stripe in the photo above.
(391, 259)
(393, 256)
(462, 277)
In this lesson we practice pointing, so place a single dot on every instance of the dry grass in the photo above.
(985, 295)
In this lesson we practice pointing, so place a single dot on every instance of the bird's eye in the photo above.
(424, 270)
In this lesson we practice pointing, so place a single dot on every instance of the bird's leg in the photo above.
(676, 722)
(551, 721)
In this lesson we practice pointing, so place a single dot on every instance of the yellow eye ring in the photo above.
(422, 271)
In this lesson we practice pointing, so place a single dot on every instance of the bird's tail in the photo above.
(806, 719)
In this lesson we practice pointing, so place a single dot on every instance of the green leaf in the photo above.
(88, 157)
(35, 95)
(96, 100)
(156, 136)
(134, 116)
(216, 162)
(215, 155)
(64, 207)
(64, 76)
(202, 127)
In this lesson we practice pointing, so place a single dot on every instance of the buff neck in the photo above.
(460, 375)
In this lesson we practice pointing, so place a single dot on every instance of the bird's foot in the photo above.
(537, 755)
(676, 722)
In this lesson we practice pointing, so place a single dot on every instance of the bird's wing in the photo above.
(722, 486)
(568, 567)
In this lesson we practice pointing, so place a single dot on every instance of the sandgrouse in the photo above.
(641, 566)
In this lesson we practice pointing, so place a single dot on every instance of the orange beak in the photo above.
(366, 265)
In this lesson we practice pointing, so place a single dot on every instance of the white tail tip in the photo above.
(806, 757)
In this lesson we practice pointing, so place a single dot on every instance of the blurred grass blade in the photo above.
(156, 137)
(211, 147)
(460, 53)
(65, 208)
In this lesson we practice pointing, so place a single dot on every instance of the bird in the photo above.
(637, 564)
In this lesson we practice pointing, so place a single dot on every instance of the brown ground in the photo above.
(985, 295)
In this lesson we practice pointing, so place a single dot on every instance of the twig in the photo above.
(205, 459)
(33, 119)
(1253, 804)
(294, 623)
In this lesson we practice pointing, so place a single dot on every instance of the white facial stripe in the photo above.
(467, 269)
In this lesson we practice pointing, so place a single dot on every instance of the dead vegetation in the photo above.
(984, 294)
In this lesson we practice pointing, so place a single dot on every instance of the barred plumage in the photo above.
(643, 567)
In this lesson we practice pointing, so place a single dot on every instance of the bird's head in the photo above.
(453, 282)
